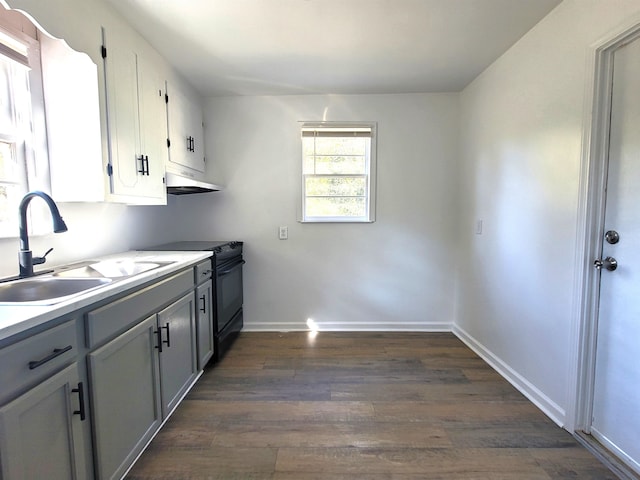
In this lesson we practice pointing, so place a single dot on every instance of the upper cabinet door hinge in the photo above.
(109, 169)
(168, 143)
(166, 98)
(104, 51)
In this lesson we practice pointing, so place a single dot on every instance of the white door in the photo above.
(616, 402)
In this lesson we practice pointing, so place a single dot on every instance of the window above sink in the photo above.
(24, 162)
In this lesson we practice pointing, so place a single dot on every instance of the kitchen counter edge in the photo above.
(15, 319)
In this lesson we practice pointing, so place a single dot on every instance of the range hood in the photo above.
(179, 185)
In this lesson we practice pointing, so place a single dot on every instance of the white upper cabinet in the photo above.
(136, 123)
(72, 107)
(111, 119)
(186, 133)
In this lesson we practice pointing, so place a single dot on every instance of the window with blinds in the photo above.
(15, 123)
(338, 172)
(19, 69)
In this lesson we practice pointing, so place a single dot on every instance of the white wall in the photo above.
(522, 127)
(395, 273)
(506, 151)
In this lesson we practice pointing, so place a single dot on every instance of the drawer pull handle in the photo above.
(203, 308)
(80, 392)
(56, 353)
(168, 340)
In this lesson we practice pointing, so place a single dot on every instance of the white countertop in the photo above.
(16, 318)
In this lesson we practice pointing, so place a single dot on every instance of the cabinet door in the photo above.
(125, 395)
(136, 162)
(205, 324)
(178, 357)
(72, 108)
(185, 132)
(153, 127)
(40, 432)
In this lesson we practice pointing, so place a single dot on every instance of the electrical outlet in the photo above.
(283, 233)
(478, 227)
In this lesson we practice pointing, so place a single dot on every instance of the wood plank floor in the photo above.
(375, 406)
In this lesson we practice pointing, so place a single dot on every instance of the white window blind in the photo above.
(338, 172)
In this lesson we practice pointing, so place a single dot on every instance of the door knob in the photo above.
(608, 263)
(612, 237)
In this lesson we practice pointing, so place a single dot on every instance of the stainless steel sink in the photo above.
(110, 269)
(66, 282)
(47, 290)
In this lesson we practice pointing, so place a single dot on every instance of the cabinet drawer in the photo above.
(116, 317)
(203, 271)
(33, 359)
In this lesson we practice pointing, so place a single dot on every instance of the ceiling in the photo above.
(281, 47)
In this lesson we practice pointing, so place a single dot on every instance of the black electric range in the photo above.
(226, 265)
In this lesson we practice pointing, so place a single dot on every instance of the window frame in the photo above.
(30, 147)
(369, 175)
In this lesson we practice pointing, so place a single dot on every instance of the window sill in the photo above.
(336, 220)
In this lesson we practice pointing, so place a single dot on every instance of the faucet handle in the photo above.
(42, 259)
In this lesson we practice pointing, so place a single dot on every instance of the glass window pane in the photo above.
(341, 145)
(7, 162)
(335, 186)
(340, 165)
(308, 146)
(6, 105)
(308, 163)
(10, 196)
(336, 207)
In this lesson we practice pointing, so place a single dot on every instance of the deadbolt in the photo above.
(612, 237)
(608, 263)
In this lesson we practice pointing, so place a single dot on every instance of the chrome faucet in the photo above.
(25, 257)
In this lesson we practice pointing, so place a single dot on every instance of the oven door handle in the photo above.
(230, 269)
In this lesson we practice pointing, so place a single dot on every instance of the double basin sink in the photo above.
(67, 282)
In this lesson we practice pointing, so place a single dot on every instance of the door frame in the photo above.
(590, 222)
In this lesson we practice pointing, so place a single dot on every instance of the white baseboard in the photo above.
(544, 403)
(349, 327)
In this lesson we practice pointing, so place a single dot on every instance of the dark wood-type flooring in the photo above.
(374, 406)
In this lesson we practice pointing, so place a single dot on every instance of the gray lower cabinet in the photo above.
(204, 313)
(137, 379)
(40, 431)
(125, 396)
(178, 368)
(114, 372)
